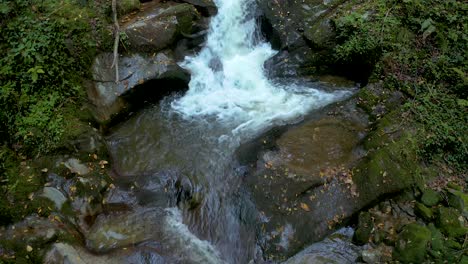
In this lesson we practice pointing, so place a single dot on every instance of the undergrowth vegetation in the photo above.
(47, 49)
(420, 48)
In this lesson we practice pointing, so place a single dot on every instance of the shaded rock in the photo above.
(75, 166)
(55, 196)
(337, 248)
(364, 228)
(458, 200)
(303, 31)
(127, 6)
(152, 75)
(207, 7)
(33, 228)
(412, 243)
(159, 26)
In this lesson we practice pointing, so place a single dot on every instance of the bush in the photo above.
(48, 46)
(419, 48)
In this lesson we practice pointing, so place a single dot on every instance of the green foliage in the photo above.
(444, 120)
(48, 46)
(419, 48)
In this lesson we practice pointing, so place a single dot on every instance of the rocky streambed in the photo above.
(154, 187)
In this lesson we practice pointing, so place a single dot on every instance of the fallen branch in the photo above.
(115, 62)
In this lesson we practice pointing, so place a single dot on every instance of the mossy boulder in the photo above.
(458, 200)
(430, 197)
(127, 6)
(364, 229)
(412, 244)
(424, 212)
(451, 222)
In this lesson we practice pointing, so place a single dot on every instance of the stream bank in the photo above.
(362, 148)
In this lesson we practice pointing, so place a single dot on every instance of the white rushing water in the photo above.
(228, 80)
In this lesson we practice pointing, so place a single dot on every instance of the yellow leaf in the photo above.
(305, 207)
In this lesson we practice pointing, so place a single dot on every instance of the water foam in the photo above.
(228, 80)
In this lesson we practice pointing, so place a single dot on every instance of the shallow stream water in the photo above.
(190, 141)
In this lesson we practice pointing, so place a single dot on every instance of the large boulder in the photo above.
(302, 31)
(159, 26)
(156, 75)
(324, 171)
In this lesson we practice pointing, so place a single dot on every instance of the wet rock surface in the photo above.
(303, 33)
(337, 248)
(153, 75)
(159, 25)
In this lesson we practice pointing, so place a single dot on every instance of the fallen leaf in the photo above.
(305, 207)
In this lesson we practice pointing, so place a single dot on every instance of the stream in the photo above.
(181, 153)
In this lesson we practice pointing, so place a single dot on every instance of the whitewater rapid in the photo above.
(228, 77)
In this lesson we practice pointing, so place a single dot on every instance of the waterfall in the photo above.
(228, 79)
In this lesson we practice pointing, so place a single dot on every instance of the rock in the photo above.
(364, 228)
(127, 6)
(422, 211)
(379, 254)
(412, 243)
(141, 75)
(73, 254)
(75, 166)
(458, 200)
(33, 229)
(207, 7)
(55, 196)
(124, 229)
(430, 197)
(437, 239)
(337, 248)
(303, 31)
(451, 222)
(159, 27)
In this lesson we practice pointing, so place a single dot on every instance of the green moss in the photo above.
(450, 221)
(422, 211)
(364, 228)
(412, 244)
(430, 197)
(127, 6)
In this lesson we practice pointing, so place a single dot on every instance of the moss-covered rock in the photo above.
(422, 211)
(412, 244)
(451, 222)
(458, 200)
(364, 229)
(127, 6)
(430, 197)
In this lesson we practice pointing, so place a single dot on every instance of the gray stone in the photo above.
(159, 26)
(55, 196)
(134, 70)
(75, 166)
(337, 248)
(72, 254)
